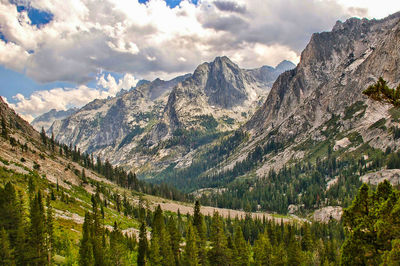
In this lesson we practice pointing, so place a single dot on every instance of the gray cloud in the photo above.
(152, 39)
(230, 6)
(231, 24)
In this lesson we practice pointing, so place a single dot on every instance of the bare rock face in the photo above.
(334, 69)
(217, 90)
(391, 175)
(324, 215)
(112, 123)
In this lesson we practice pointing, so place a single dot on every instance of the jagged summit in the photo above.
(217, 97)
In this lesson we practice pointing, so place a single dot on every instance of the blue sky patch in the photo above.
(14, 82)
(171, 3)
(38, 17)
(2, 37)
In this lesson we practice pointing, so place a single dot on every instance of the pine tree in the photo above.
(263, 250)
(49, 231)
(11, 212)
(190, 254)
(98, 234)
(118, 250)
(175, 238)
(241, 249)
(20, 245)
(306, 241)
(52, 142)
(6, 257)
(43, 136)
(392, 257)
(86, 257)
(219, 253)
(200, 227)
(155, 256)
(37, 232)
(142, 248)
(158, 221)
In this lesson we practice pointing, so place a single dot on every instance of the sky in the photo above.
(57, 54)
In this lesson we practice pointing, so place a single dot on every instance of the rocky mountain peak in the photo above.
(284, 66)
(334, 69)
(225, 85)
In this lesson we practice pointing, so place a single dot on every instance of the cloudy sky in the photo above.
(59, 54)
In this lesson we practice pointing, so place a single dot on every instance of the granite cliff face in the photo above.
(219, 91)
(335, 68)
(133, 128)
(327, 85)
(107, 122)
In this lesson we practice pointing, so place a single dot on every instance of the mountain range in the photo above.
(222, 129)
(139, 129)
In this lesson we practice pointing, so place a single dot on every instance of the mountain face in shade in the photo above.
(47, 119)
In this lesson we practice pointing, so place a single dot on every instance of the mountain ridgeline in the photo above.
(138, 129)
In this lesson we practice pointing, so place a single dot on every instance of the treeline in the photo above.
(199, 240)
(27, 236)
(381, 92)
(188, 179)
(116, 174)
(303, 184)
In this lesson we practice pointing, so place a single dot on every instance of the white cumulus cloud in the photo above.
(42, 101)
(125, 36)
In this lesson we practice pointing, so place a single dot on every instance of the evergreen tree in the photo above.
(372, 223)
(52, 142)
(6, 257)
(142, 248)
(392, 257)
(37, 232)
(306, 241)
(167, 254)
(118, 250)
(97, 233)
(200, 227)
(219, 253)
(158, 221)
(241, 249)
(262, 250)
(43, 136)
(279, 256)
(11, 213)
(175, 238)
(49, 231)
(86, 257)
(155, 256)
(190, 255)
